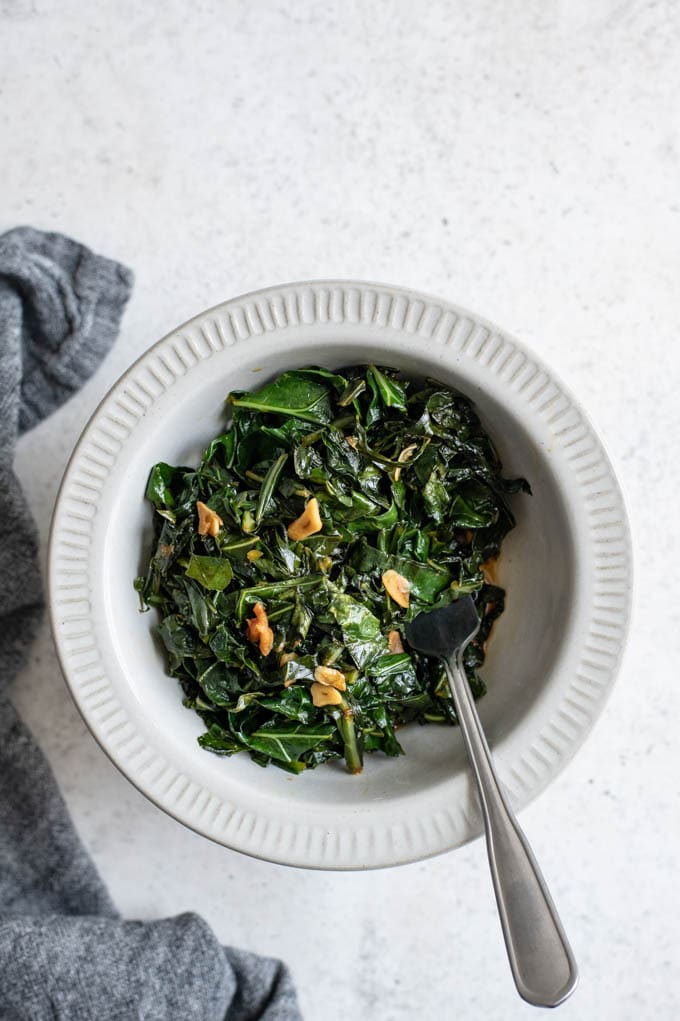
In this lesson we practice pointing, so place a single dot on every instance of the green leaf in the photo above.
(221, 685)
(292, 393)
(245, 700)
(223, 447)
(463, 514)
(230, 648)
(373, 412)
(220, 741)
(288, 741)
(375, 523)
(354, 388)
(295, 703)
(268, 487)
(303, 617)
(422, 545)
(237, 547)
(448, 409)
(275, 590)
(212, 572)
(201, 610)
(360, 629)
(341, 458)
(384, 738)
(392, 393)
(395, 677)
(426, 581)
(337, 381)
(176, 636)
(435, 496)
(158, 488)
(308, 464)
(300, 669)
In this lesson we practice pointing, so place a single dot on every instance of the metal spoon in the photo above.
(541, 960)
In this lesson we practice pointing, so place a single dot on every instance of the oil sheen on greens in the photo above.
(406, 480)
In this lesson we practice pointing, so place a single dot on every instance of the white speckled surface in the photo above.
(519, 158)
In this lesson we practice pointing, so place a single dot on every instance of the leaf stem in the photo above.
(345, 723)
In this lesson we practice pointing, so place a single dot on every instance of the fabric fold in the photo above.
(64, 950)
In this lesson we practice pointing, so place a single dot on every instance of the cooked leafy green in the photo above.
(213, 572)
(407, 486)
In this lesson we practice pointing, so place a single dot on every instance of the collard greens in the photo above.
(405, 480)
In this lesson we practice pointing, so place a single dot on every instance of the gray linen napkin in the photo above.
(64, 951)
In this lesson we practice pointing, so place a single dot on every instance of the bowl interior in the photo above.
(536, 569)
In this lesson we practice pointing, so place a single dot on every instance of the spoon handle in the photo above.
(541, 959)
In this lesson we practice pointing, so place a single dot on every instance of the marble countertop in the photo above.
(520, 159)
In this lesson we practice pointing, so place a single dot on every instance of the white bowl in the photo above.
(566, 568)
